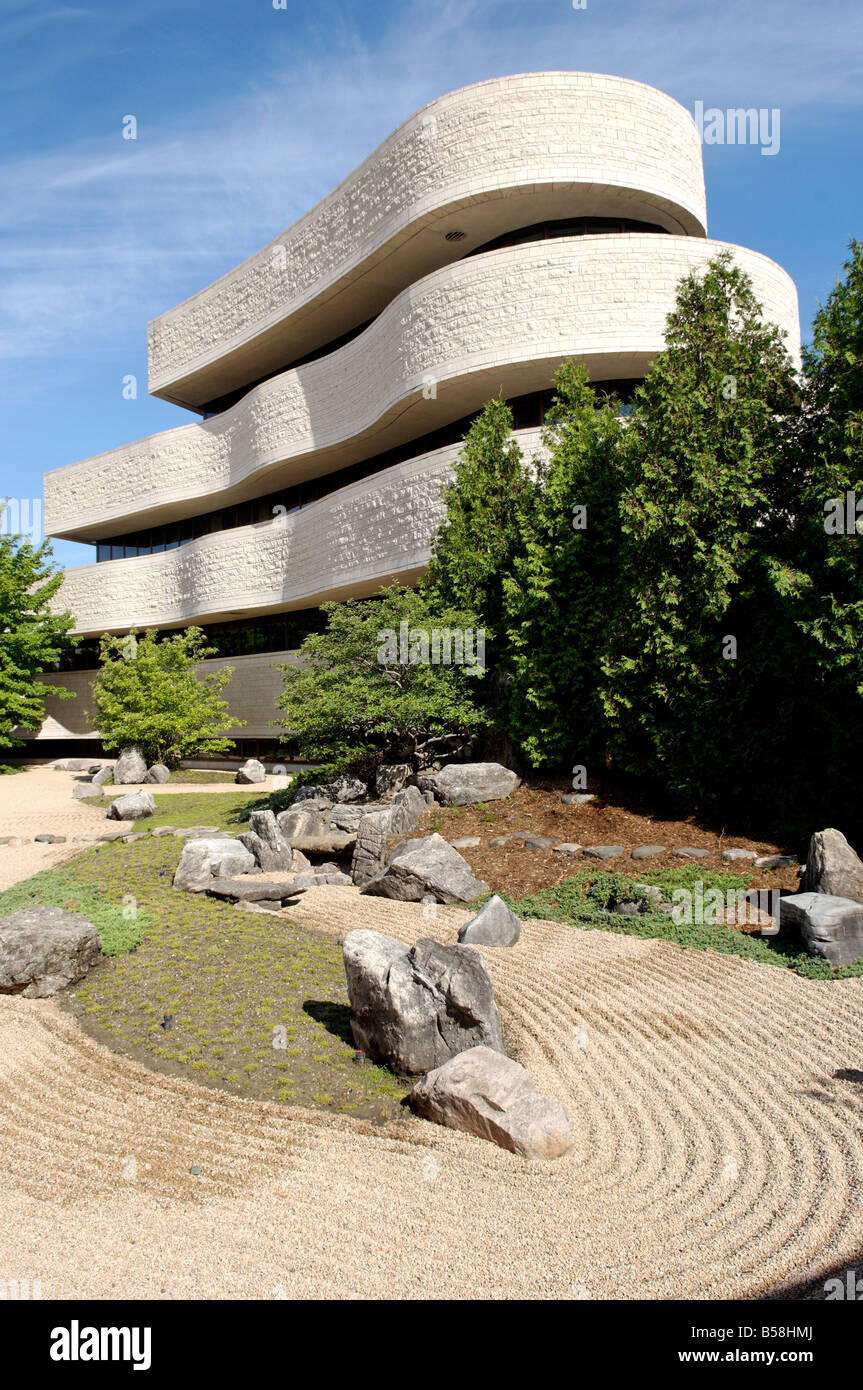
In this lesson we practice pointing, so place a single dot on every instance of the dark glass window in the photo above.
(564, 227)
(528, 413)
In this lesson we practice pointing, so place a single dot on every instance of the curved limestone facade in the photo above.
(499, 231)
(482, 160)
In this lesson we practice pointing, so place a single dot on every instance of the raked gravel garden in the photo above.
(652, 1105)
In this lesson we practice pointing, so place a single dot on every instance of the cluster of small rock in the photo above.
(346, 829)
(130, 769)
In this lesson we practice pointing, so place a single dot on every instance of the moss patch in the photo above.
(580, 900)
(244, 1001)
(120, 923)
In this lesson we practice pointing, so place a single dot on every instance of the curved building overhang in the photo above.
(494, 324)
(479, 162)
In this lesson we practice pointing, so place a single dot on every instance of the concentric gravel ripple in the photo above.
(719, 1148)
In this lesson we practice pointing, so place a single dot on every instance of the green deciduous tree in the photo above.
(369, 690)
(32, 635)
(149, 692)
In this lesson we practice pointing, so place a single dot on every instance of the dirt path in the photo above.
(718, 1106)
(40, 800)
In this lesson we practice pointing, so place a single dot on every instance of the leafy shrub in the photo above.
(149, 692)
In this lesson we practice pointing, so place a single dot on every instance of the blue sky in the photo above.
(248, 114)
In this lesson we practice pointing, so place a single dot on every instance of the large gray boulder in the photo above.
(132, 806)
(462, 784)
(266, 843)
(831, 927)
(494, 925)
(194, 872)
(251, 771)
(317, 792)
(493, 1097)
(299, 823)
(205, 859)
(130, 769)
(407, 808)
(347, 788)
(402, 815)
(833, 867)
(258, 890)
(267, 859)
(158, 773)
(44, 949)
(390, 778)
(415, 1007)
(369, 856)
(427, 867)
(346, 818)
(105, 774)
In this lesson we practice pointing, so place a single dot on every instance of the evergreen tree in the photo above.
(825, 552)
(563, 593)
(690, 675)
(476, 544)
(374, 687)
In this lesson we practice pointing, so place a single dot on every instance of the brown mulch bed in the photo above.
(612, 819)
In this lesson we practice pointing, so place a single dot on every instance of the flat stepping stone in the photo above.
(466, 842)
(688, 852)
(50, 839)
(136, 835)
(265, 905)
(14, 840)
(567, 847)
(578, 798)
(259, 891)
(647, 851)
(110, 836)
(776, 861)
(324, 844)
(539, 842)
(604, 851)
(500, 840)
(730, 855)
(197, 832)
(166, 830)
(304, 881)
